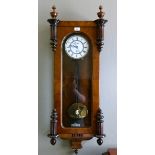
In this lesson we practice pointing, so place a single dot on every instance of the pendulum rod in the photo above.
(77, 80)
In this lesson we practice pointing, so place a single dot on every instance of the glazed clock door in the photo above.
(76, 81)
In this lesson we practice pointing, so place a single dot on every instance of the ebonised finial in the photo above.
(76, 151)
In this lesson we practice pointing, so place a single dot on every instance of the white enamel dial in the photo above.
(76, 46)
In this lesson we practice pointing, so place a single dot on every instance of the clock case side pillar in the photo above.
(100, 42)
(53, 24)
(100, 33)
(99, 127)
(53, 37)
(100, 29)
(53, 127)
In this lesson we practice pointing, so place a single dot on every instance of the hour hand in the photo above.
(74, 46)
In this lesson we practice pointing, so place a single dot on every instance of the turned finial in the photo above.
(76, 151)
(54, 14)
(101, 13)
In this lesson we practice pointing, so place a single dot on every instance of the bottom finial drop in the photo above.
(76, 151)
(99, 141)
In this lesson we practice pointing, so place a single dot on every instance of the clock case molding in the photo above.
(95, 31)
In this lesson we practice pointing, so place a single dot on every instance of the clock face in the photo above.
(76, 46)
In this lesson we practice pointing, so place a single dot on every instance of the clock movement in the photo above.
(76, 45)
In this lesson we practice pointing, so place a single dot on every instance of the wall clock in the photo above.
(76, 45)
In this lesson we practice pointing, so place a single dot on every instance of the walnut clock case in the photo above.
(76, 45)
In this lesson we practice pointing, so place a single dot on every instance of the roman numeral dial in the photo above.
(76, 46)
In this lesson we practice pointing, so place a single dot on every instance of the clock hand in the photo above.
(74, 46)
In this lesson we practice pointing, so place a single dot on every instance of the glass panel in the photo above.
(76, 83)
